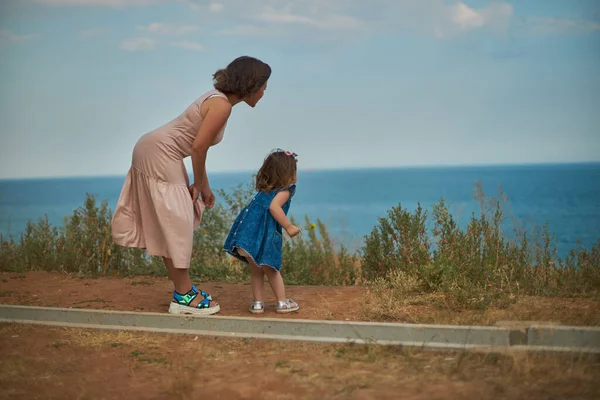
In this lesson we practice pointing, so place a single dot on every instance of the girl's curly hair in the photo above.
(278, 171)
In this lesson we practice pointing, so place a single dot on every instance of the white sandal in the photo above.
(288, 306)
(257, 307)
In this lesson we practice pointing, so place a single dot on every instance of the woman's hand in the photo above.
(208, 197)
(193, 192)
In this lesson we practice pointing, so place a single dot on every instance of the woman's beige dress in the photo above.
(155, 210)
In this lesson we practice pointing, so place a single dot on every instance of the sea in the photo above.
(350, 201)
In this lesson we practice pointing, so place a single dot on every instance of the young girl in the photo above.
(255, 236)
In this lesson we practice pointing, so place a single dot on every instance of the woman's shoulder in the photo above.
(211, 94)
(214, 100)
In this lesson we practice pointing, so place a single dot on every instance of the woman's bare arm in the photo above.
(217, 113)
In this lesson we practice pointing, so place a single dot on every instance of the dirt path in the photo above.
(149, 294)
(59, 363)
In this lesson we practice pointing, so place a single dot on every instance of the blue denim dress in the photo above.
(256, 231)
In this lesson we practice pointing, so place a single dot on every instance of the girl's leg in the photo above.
(258, 281)
(258, 276)
(276, 282)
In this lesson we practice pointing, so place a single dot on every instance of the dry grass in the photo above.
(398, 298)
(89, 338)
(88, 363)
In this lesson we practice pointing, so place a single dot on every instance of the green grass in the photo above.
(473, 267)
(421, 251)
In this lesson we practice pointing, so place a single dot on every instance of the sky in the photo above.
(355, 83)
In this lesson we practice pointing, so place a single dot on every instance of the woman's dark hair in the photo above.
(278, 171)
(242, 77)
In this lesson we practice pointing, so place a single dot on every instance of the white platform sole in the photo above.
(176, 308)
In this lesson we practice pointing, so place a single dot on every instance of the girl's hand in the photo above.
(193, 192)
(208, 197)
(292, 230)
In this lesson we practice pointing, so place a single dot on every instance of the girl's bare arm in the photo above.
(276, 209)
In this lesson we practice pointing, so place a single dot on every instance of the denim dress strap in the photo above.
(290, 188)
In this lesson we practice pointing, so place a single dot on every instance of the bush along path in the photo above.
(410, 261)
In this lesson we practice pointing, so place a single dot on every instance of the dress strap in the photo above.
(290, 188)
(216, 93)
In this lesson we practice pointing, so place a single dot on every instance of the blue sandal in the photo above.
(181, 303)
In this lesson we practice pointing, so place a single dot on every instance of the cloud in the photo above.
(246, 30)
(466, 18)
(215, 7)
(345, 19)
(337, 21)
(138, 44)
(7, 37)
(438, 18)
(447, 20)
(93, 33)
(105, 3)
(145, 44)
(169, 30)
(334, 21)
(557, 26)
(193, 46)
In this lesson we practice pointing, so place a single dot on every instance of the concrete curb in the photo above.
(442, 337)
(564, 336)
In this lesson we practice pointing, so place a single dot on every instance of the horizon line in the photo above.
(332, 169)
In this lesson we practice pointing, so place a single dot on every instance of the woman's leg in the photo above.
(181, 281)
(179, 276)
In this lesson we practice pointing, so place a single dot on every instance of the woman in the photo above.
(158, 209)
